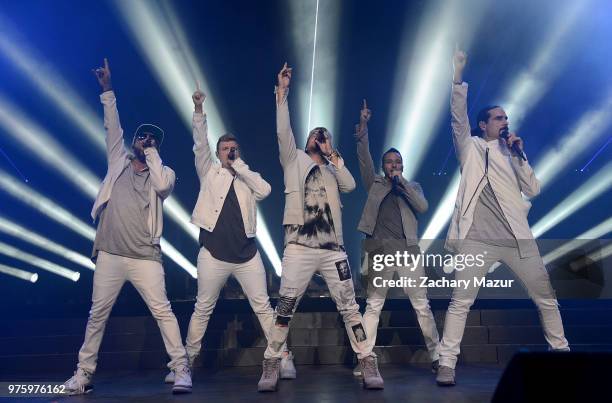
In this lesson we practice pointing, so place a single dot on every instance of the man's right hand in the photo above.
(284, 77)
(198, 98)
(459, 61)
(103, 75)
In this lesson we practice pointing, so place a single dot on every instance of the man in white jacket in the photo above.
(490, 219)
(226, 212)
(312, 220)
(126, 247)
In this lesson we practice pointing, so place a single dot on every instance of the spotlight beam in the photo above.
(22, 274)
(15, 253)
(57, 213)
(591, 189)
(594, 233)
(314, 35)
(25, 234)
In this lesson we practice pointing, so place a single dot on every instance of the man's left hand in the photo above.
(513, 138)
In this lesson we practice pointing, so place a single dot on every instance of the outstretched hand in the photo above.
(365, 115)
(284, 77)
(103, 75)
(198, 98)
(459, 62)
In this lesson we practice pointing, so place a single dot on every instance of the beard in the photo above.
(139, 154)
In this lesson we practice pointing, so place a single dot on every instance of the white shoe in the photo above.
(79, 383)
(357, 370)
(182, 380)
(287, 368)
(170, 376)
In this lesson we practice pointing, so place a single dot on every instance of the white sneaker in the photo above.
(79, 383)
(287, 368)
(170, 376)
(182, 380)
(357, 370)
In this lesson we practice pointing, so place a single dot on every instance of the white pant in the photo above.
(299, 264)
(530, 271)
(147, 276)
(418, 299)
(212, 275)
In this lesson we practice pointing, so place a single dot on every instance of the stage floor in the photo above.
(315, 383)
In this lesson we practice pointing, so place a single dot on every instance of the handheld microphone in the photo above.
(395, 183)
(515, 147)
(232, 154)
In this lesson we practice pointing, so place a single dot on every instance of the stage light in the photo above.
(52, 84)
(596, 232)
(159, 36)
(22, 274)
(532, 83)
(44, 205)
(46, 148)
(28, 235)
(591, 189)
(15, 253)
(570, 145)
(314, 37)
(423, 78)
(442, 214)
(60, 215)
(164, 46)
(263, 236)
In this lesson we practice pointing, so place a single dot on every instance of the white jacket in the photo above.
(507, 173)
(215, 182)
(162, 178)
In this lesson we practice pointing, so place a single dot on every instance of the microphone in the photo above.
(232, 154)
(395, 182)
(515, 147)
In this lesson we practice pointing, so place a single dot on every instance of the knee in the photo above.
(203, 308)
(459, 306)
(161, 310)
(100, 312)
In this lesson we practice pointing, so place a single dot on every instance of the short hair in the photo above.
(482, 116)
(391, 150)
(225, 138)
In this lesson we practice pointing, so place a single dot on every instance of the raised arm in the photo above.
(366, 164)
(201, 147)
(460, 122)
(115, 149)
(286, 140)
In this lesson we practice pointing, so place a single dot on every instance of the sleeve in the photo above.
(286, 139)
(260, 188)
(115, 149)
(162, 177)
(366, 164)
(459, 120)
(413, 194)
(201, 147)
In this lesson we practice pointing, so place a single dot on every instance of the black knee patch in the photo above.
(359, 332)
(285, 306)
(344, 270)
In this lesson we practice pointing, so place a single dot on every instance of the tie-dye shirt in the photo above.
(318, 229)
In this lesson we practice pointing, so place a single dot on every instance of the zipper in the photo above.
(483, 176)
